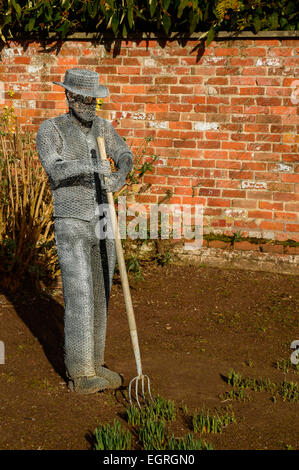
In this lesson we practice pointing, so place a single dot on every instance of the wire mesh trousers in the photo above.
(87, 265)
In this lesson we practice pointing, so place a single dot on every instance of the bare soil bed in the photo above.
(195, 323)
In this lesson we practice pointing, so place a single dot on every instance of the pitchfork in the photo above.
(127, 295)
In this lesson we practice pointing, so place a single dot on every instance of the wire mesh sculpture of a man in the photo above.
(67, 148)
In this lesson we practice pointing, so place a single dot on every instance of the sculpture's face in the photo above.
(84, 107)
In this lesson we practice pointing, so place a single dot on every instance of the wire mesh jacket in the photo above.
(71, 160)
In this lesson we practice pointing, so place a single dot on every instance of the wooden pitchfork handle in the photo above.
(122, 267)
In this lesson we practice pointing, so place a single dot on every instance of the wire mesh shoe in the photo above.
(114, 379)
(88, 385)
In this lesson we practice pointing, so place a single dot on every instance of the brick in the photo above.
(256, 71)
(242, 81)
(220, 223)
(290, 178)
(22, 60)
(285, 215)
(144, 99)
(201, 108)
(285, 196)
(283, 110)
(150, 107)
(128, 70)
(129, 89)
(218, 202)
(166, 80)
(240, 155)
(268, 81)
(184, 144)
(291, 206)
(216, 81)
(254, 166)
(292, 227)
(244, 203)
(246, 246)
(266, 225)
(260, 214)
(271, 248)
(136, 80)
(241, 174)
(231, 109)
(190, 80)
(179, 181)
(226, 51)
(226, 71)
(270, 205)
(252, 90)
(233, 145)
(152, 179)
(233, 193)
(218, 100)
(180, 107)
(209, 192)
(259, 194)
(180, 125)
(181, 90)
(203, 163)
(268, 101)
(192, 99)
(254, 51)
(240, 61)
(217, 244)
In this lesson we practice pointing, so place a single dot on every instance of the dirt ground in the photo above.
(195, 323)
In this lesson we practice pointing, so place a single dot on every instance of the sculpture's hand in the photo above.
(114, 182)
(104, 168)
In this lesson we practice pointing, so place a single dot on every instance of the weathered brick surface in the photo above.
(224, 120)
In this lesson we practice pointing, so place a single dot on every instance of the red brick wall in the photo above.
(224, 120)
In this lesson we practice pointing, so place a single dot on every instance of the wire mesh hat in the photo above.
(83, 82)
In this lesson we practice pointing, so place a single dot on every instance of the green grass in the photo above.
(149, 427)
(287, 391)
(203, 421)
(112, 437)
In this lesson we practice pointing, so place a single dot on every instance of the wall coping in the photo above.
(222, 35)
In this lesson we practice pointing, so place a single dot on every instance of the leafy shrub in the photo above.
(27, 244)
(38, 17)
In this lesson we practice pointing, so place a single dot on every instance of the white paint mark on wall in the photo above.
(162, 162)
(149, 62)
(295, 93)
(11, 52)
(143, 116)
(159, 124)
(206, 126)
(268, 235)
(283, 167)
(34, 68)
(31, 104)
(270, 62)
(214, 60)
(248, 184)
(211, 90)
(235, 213)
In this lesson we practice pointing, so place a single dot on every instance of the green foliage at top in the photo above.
(121, 18)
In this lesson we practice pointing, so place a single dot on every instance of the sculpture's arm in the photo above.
(118, 150)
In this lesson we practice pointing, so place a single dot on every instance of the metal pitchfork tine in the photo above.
(126, 291)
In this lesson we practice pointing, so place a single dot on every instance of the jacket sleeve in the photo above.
(118, 150)
(49, 145)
